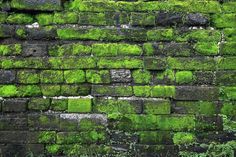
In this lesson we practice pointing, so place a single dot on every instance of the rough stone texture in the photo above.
(117, 78)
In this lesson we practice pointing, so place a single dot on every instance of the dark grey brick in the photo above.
(7, 76)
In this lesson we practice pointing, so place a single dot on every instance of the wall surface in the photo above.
(147, 78)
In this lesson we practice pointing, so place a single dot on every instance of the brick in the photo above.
(34, 50)
(11, 50)
(228, 108)
(14, 105)
(226, 63)
(51, 90)
(195, 93)
(204, 77)
(142, 19)
(154, 63)
(28, 77)
(100, 90)
(228, 93)
(8, 90)
(43, 122)
(206, 48)
(142, 76)
(169, 19)
(124, 106)
(7, 76)
(39, 104)
(29, 91)
(197, 19)
(51, 76)
(75, 90)
(48, 5)
(225, 77)
(228, 48)
(120, 75)
(183, 77)
(13, 122)
(13, 137)
(79, 105)
(156, 106)
(154, 91)
(224, 20)
(59, 104)
(160, 35)
(65, 17)
(20, 18)
(155, 137)
(209, 123)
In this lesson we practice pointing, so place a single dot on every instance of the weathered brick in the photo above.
(13, 122)
(120, 75)
(98, 76)
(38, 104)
(142, 19)
(195, 93)
(51, 76)
(225, 77)
(43, 121)
(14, 105)
(226, 63)
(100, 90)
(156, 106)
(28, 77)
(51, 90)
(74, 76)
(204, 77)
(228, 48)
(154, 63)
(34, 50)
(7, 76)
(228, 93)
(169, 19)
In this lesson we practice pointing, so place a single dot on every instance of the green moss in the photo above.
(28, 77)
(78, 49)
(65, 17)
(51, 90)
(228, 48)
(228, 108)
(160, 34)
(229, 34)
(39, 104)
(183, 77)
(199, 35)
(90, 124)
(29, 90)
(21, 33)
(207, 108)
(95, 76)
(228, 93)
(163, 91)
(59, 104)
(228, 7)
(92, 18)
(74, 62)
(105, 49)
(53, 149)
(79, 105)
(183, 138)
(118, 63)
(156, 107)
(128, 49)
(203, 6)
(142, 91)
(3, 17)
(74, 76)
(7, 50)
(20, 19)
(8, 90)
(153, 137)
(142, 76)
(167, 75)
(44, 19)
(226, 63)
(191, 63)
(224, 20)
(148, 49)
(142, 19)
(207, 48)
(47, 137)
(51, 76)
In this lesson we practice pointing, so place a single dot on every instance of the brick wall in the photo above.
(142, 78)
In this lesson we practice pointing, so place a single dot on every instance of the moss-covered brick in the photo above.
(47, 5)
(39, 104)
(128, 49)
(228, 48)
(142, 76)
(207, 48)
(117, 106)
(75, 90)
(51, 90)
(167, 76)
(154, 137)
(72, 62)
(98, 76)
(199, 35)
(65, 17)
(196, 107)
(3, 17)
(79, 105)
(100, 90)
(8, 90)
(82, 137)
(21, 33)
(191, 63)
(229, 34)
(228, 93)
(28, 76)
(183, 77)
(225, 77)
(148, 49)
(7, 50)
(156, 106)
(20, 18)
(154, 63)
(120, 62)
(226, 63)
(44, 19)
(104, 49)
(224, 20)
(160, 35)
(86, 18)
(89, 34)
(79, 49)
(74, 76)
(152, 122)
(59, 104)
(69, 49)
(228, 108)
(47, 137)
(154, 91)
(204, 6)
(29, 91)
(51, 76)
(142, 19)
(228, 7)
(181, 138)
(163, 91)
